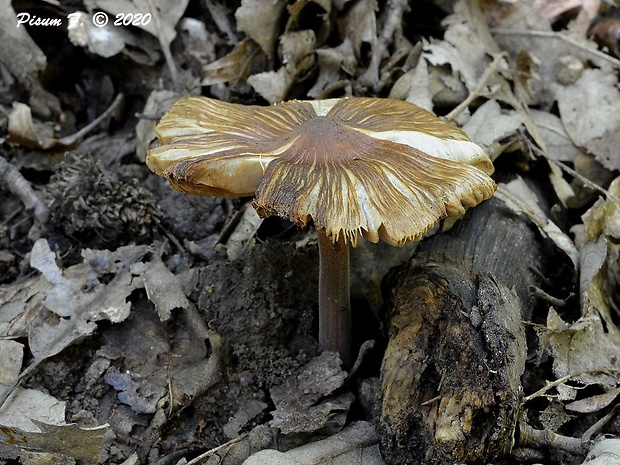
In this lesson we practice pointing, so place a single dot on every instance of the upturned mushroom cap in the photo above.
(379, 168)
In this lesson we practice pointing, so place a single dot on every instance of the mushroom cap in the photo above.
(377, 168)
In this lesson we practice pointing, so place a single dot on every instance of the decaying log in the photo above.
(451, 373)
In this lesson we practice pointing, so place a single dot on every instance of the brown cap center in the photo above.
(323, 139)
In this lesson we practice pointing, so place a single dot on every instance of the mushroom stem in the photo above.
(334, 297)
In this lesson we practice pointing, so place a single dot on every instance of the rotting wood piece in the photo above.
(451, 373)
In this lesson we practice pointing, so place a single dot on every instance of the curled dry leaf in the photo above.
(360, 23)
(33, 421)
(336, 67)
(297, 57)
(244, 60)
(260, 20)
(600, 273)
(594, 403)
(520, 198)
(25, 131)
(414, 86)
(316, 12)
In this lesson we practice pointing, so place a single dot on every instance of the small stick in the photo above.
(73, 138)
(22, 188)
(490, 71)
(530, 436)
(395, 10)
(165, 46)
(554, 35)
(584, 180)
(538, 292)
(563, 379)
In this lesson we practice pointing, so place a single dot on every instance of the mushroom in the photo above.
(370, 167)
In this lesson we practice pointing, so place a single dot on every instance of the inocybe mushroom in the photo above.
(376, 168)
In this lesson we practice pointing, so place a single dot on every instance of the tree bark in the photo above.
(451, 373)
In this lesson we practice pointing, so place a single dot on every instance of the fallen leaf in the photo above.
(605, 149)
(78, 298)
(242, 238)
(260, 20)
(11, 358)
(582, 350)
(246, 58)
(558, 146)
(357, 444)
(314, 14)
(561, 186)
(297, 57)
(33, 421)
(246, 412)
(164, 29)
(604, 452)
(307, 402)
(520, 198)
(599, 266)
(162, 287)
(456, 51)
(360, 24)
(25, 131)
(603, 99)
(414, 86)
(594, 403)
(335, 65)
(491, 136)
(158, 103)
(525, 29)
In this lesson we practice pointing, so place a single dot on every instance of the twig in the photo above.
(538, 292)
(395, 10)
(22, 188)
(203, 457)
(165, 47)
(584, 180)
(490, 71)
(563, 379)
(596, 427)
(73, 138)
(569, 40)
(536, 437)
(220, 17)
(366, 347)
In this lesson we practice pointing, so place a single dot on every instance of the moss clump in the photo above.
(93, 205)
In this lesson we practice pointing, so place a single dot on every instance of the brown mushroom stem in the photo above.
(334, 297)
